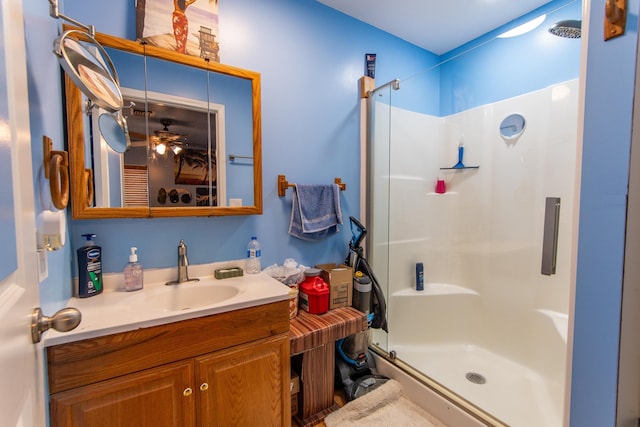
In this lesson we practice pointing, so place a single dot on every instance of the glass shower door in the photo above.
(377, 223)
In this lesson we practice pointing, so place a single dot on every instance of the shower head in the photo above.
(570, 29)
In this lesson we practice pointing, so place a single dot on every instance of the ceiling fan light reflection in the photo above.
(161, 148)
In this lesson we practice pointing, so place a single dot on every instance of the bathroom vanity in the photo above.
(218, 365)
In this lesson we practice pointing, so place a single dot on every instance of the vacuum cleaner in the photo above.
(355, 367)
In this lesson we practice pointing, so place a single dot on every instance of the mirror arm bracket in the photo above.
(88, 107)
(54, 12)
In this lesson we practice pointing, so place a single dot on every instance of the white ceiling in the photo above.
(437, 26)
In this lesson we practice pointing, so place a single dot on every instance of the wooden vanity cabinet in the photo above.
(230, 369)
(244, 385)
(155, 397)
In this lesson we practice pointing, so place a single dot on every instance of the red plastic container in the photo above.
(314, 292)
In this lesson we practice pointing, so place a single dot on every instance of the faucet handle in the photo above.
(183, 260)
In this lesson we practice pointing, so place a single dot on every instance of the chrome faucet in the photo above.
(183, 264)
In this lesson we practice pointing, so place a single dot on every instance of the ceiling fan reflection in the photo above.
(166, 139)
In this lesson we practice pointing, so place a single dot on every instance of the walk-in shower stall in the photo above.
(498, 124)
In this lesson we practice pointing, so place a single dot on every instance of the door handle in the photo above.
(550, 237)
(63, 320)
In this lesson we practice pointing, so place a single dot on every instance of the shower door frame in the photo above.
(367, 110)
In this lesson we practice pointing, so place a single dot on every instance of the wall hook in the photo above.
(56, 170)
(615, 18)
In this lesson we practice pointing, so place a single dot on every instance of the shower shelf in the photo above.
(464, 167)
(431, 289)
(433, 193)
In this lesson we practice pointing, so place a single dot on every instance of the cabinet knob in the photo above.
(204, 387)
(187, 391)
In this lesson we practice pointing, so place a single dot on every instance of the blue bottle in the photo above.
(419, 276)
(89, 269)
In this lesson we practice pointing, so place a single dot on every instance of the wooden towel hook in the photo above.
(56, 170)
(283, 184)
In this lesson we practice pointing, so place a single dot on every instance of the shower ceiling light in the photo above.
(524, 28)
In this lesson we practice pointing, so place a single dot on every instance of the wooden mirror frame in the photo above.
(82, 188)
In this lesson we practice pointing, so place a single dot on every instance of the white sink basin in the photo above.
(116, 311)
(188, 295)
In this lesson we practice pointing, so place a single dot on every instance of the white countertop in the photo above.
(116, 311)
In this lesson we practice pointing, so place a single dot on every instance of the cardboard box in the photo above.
(294, 389)
(294, 385)
(339, 277)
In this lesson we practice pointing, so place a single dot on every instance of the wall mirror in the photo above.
(195, 139)
(512, 126)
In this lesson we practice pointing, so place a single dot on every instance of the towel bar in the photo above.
(283, 184)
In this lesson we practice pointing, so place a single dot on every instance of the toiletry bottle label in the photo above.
(251, 253)
(89, 269)
(94, 271)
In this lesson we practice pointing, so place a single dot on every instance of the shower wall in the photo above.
(481, 241)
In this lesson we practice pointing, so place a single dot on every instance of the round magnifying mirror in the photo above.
(89, 71)
(512, 126)
(115, 131)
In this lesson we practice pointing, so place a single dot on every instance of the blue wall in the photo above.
(605, 173)
(310, 58)
(493, 69)
(490, 69)
(45, 116)
(310, 127)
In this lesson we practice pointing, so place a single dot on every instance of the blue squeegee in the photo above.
(460, 165)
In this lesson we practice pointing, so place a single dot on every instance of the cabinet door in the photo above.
(156, 397)
(247, 385)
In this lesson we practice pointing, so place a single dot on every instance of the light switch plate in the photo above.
(43, 266)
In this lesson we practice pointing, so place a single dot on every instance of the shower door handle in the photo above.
(550, 238)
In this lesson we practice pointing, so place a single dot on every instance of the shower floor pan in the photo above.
(511, 392)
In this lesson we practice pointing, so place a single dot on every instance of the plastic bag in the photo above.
(290, 273)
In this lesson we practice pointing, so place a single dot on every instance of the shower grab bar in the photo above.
(550, 237)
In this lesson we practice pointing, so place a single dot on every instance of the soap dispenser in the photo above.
(133, 273)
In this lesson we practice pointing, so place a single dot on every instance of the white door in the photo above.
(21, 362)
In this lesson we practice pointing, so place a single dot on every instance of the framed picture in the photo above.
(191, 167)
(185, 26)
(203, 198)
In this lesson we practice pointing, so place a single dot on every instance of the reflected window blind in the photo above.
(135, 186)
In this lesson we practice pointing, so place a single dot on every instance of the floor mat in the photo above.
(384, 406)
